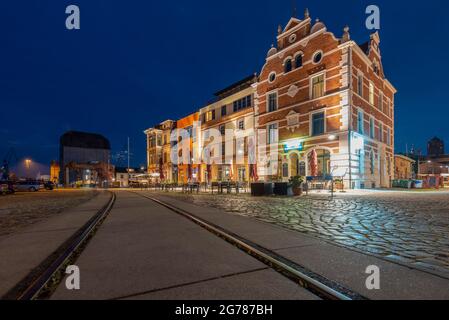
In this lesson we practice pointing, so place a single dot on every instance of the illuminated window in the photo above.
(317, 86)
(210, 115)
(371, 93)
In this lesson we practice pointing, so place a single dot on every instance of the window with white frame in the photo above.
(288, 65)
(298, 61)
(241, 124)
(273, 133)
(272, 101)
(360, 85)
(381, 101)
(317, 84)
(371, 93)
(371, 128)
(381, 132)
(210, 115)
(318, 126)
(360, 121)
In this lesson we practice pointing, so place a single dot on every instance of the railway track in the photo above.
(316, 284)
(45, 277)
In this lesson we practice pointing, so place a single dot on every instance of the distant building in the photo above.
(159, 145)
(85, 159)
(403, 167)
(123, 178)
(435, 147)
(55, 171)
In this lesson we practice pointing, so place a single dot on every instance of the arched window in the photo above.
(288, 66)
(298, 61)
(285, 170)
(302, 169)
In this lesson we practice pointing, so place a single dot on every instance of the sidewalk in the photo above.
(336, 263)
(23, 251)
(145, 251)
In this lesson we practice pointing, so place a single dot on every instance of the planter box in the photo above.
(280, 188)
(257, 189)
(260, 189)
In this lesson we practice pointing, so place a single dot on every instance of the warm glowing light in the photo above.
(28, 163)
(332, 137)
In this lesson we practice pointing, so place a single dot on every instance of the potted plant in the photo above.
(296, 185)
(339, 184)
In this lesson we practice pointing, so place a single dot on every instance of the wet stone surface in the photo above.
(407, 227)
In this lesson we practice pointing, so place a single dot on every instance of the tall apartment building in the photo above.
(318, 92)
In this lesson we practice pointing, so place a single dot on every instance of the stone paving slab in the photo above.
(406, 227)
(343, 265)
(143, 247)
(257, 285)
(21, 252)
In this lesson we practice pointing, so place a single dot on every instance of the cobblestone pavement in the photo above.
(408, 227)
(25, 208)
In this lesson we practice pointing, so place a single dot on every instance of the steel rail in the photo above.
(277, 262)
(67, 251)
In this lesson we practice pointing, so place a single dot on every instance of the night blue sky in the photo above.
(136, 63)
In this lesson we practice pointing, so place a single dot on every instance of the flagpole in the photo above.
(128, 162)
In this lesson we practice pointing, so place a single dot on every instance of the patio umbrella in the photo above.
(253, 172)
(161, 170)
(313, 162)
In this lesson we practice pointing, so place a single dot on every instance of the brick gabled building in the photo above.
(325, 93)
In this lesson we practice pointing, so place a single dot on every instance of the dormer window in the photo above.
(288, 65)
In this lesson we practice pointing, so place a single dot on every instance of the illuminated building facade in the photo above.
(323, 102)
(159, 162)
(320, 93)
(232, 110)
(188, 170)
